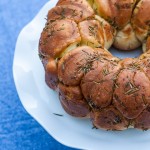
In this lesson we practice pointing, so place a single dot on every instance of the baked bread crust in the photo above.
(91, 82)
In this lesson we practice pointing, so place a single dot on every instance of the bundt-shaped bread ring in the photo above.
(91, 82)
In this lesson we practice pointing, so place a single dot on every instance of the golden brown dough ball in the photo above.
(109, 119)
(133, 94)
(91, 33)
(140, 19)
(63, 31)
(98, 84)
(73, 101)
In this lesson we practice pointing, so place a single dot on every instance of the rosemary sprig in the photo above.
(51, 30)
(117, 120)
(89, 59)
(132, 91)
(81, 14)
(99, 82)
(74, 13)
(115, 84)
(60, 29)
(94, 127)
(63, 67)
(58, 115)
(144, 99)
(41, 56)
(105, 71)
(61, 14)
(119, 101)
(134, 66)
(92, 31)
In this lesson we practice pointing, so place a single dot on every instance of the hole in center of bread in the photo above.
(126, 54)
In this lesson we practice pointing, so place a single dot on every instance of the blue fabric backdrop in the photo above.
(18, 131)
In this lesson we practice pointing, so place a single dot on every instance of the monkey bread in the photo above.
(92, 83)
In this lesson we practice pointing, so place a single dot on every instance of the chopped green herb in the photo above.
(58, 115)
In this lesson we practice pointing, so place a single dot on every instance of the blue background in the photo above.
(18, 131)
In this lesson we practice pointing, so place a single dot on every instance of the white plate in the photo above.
(41, 102)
